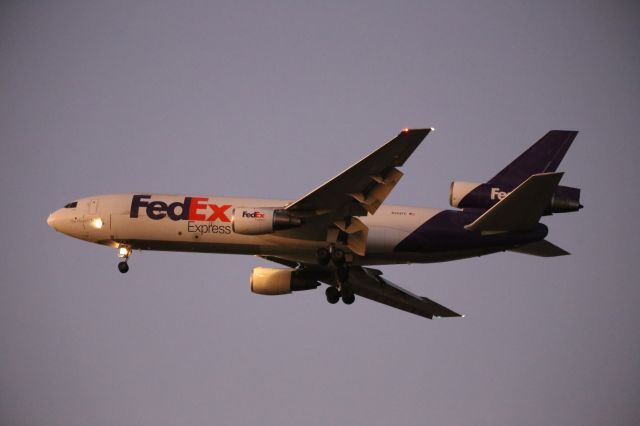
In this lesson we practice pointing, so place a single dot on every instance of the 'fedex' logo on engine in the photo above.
(192, 208)
(254, 215)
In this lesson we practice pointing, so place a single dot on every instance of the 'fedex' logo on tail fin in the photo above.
(496, 194)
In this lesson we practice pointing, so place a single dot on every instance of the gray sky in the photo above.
(272, 99)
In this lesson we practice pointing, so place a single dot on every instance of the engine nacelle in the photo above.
(459, 190)
(275, 281)
(484, 195)
(261, 220)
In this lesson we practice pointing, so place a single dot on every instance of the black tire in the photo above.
(348, 298)
(338, 257)
(123, 267)
(333, 295)
(323, 256)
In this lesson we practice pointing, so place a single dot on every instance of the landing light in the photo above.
(123, 251)
(97, 223)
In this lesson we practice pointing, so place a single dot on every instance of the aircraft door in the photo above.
(93, 206)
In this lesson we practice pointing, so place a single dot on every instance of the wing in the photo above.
(357, 191)
(542, 248)
(369, 283)
(363, 187)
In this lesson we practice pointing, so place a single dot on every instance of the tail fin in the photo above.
(521, 209)
(542, 157)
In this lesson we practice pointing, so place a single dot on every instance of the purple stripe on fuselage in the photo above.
(445, 232)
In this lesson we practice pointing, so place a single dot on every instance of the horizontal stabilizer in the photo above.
(522, 208)
(541, 248)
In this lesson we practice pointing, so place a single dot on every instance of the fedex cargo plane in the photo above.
(337, 232)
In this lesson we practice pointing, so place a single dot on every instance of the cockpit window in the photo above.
(71, 205)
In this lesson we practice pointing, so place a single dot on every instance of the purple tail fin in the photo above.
(542, 157)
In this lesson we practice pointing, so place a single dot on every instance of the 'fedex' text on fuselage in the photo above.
(192, 208)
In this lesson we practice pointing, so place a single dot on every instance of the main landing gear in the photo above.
(123, 253)
(331, 254)
(334, 294)
(341, 290)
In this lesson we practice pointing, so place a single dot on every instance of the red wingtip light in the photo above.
(405, 130)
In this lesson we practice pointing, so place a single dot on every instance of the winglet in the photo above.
(522, 208)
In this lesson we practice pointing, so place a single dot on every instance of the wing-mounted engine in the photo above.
(262, 220)
(473, 195)
(275, 281)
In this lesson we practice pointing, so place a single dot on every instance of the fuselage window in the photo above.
(71, 205)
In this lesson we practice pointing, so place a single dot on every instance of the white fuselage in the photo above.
(115, 220)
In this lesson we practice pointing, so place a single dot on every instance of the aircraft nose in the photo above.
(51, 221)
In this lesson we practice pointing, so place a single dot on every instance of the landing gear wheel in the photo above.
(333, 295)
(123, 267)
(338, 257)
(323, 256)
(348, 298)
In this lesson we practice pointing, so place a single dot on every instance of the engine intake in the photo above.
(262, 220)
(275, 281)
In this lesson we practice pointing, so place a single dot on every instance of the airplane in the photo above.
(337, 232)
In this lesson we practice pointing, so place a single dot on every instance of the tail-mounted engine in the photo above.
(261, 220)
(274, 281)
(483, 196)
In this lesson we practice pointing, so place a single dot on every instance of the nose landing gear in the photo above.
(123, 267)
(123, 253)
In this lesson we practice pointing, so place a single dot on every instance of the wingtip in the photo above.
(564, 131)
(426, 129)
(456, 315)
